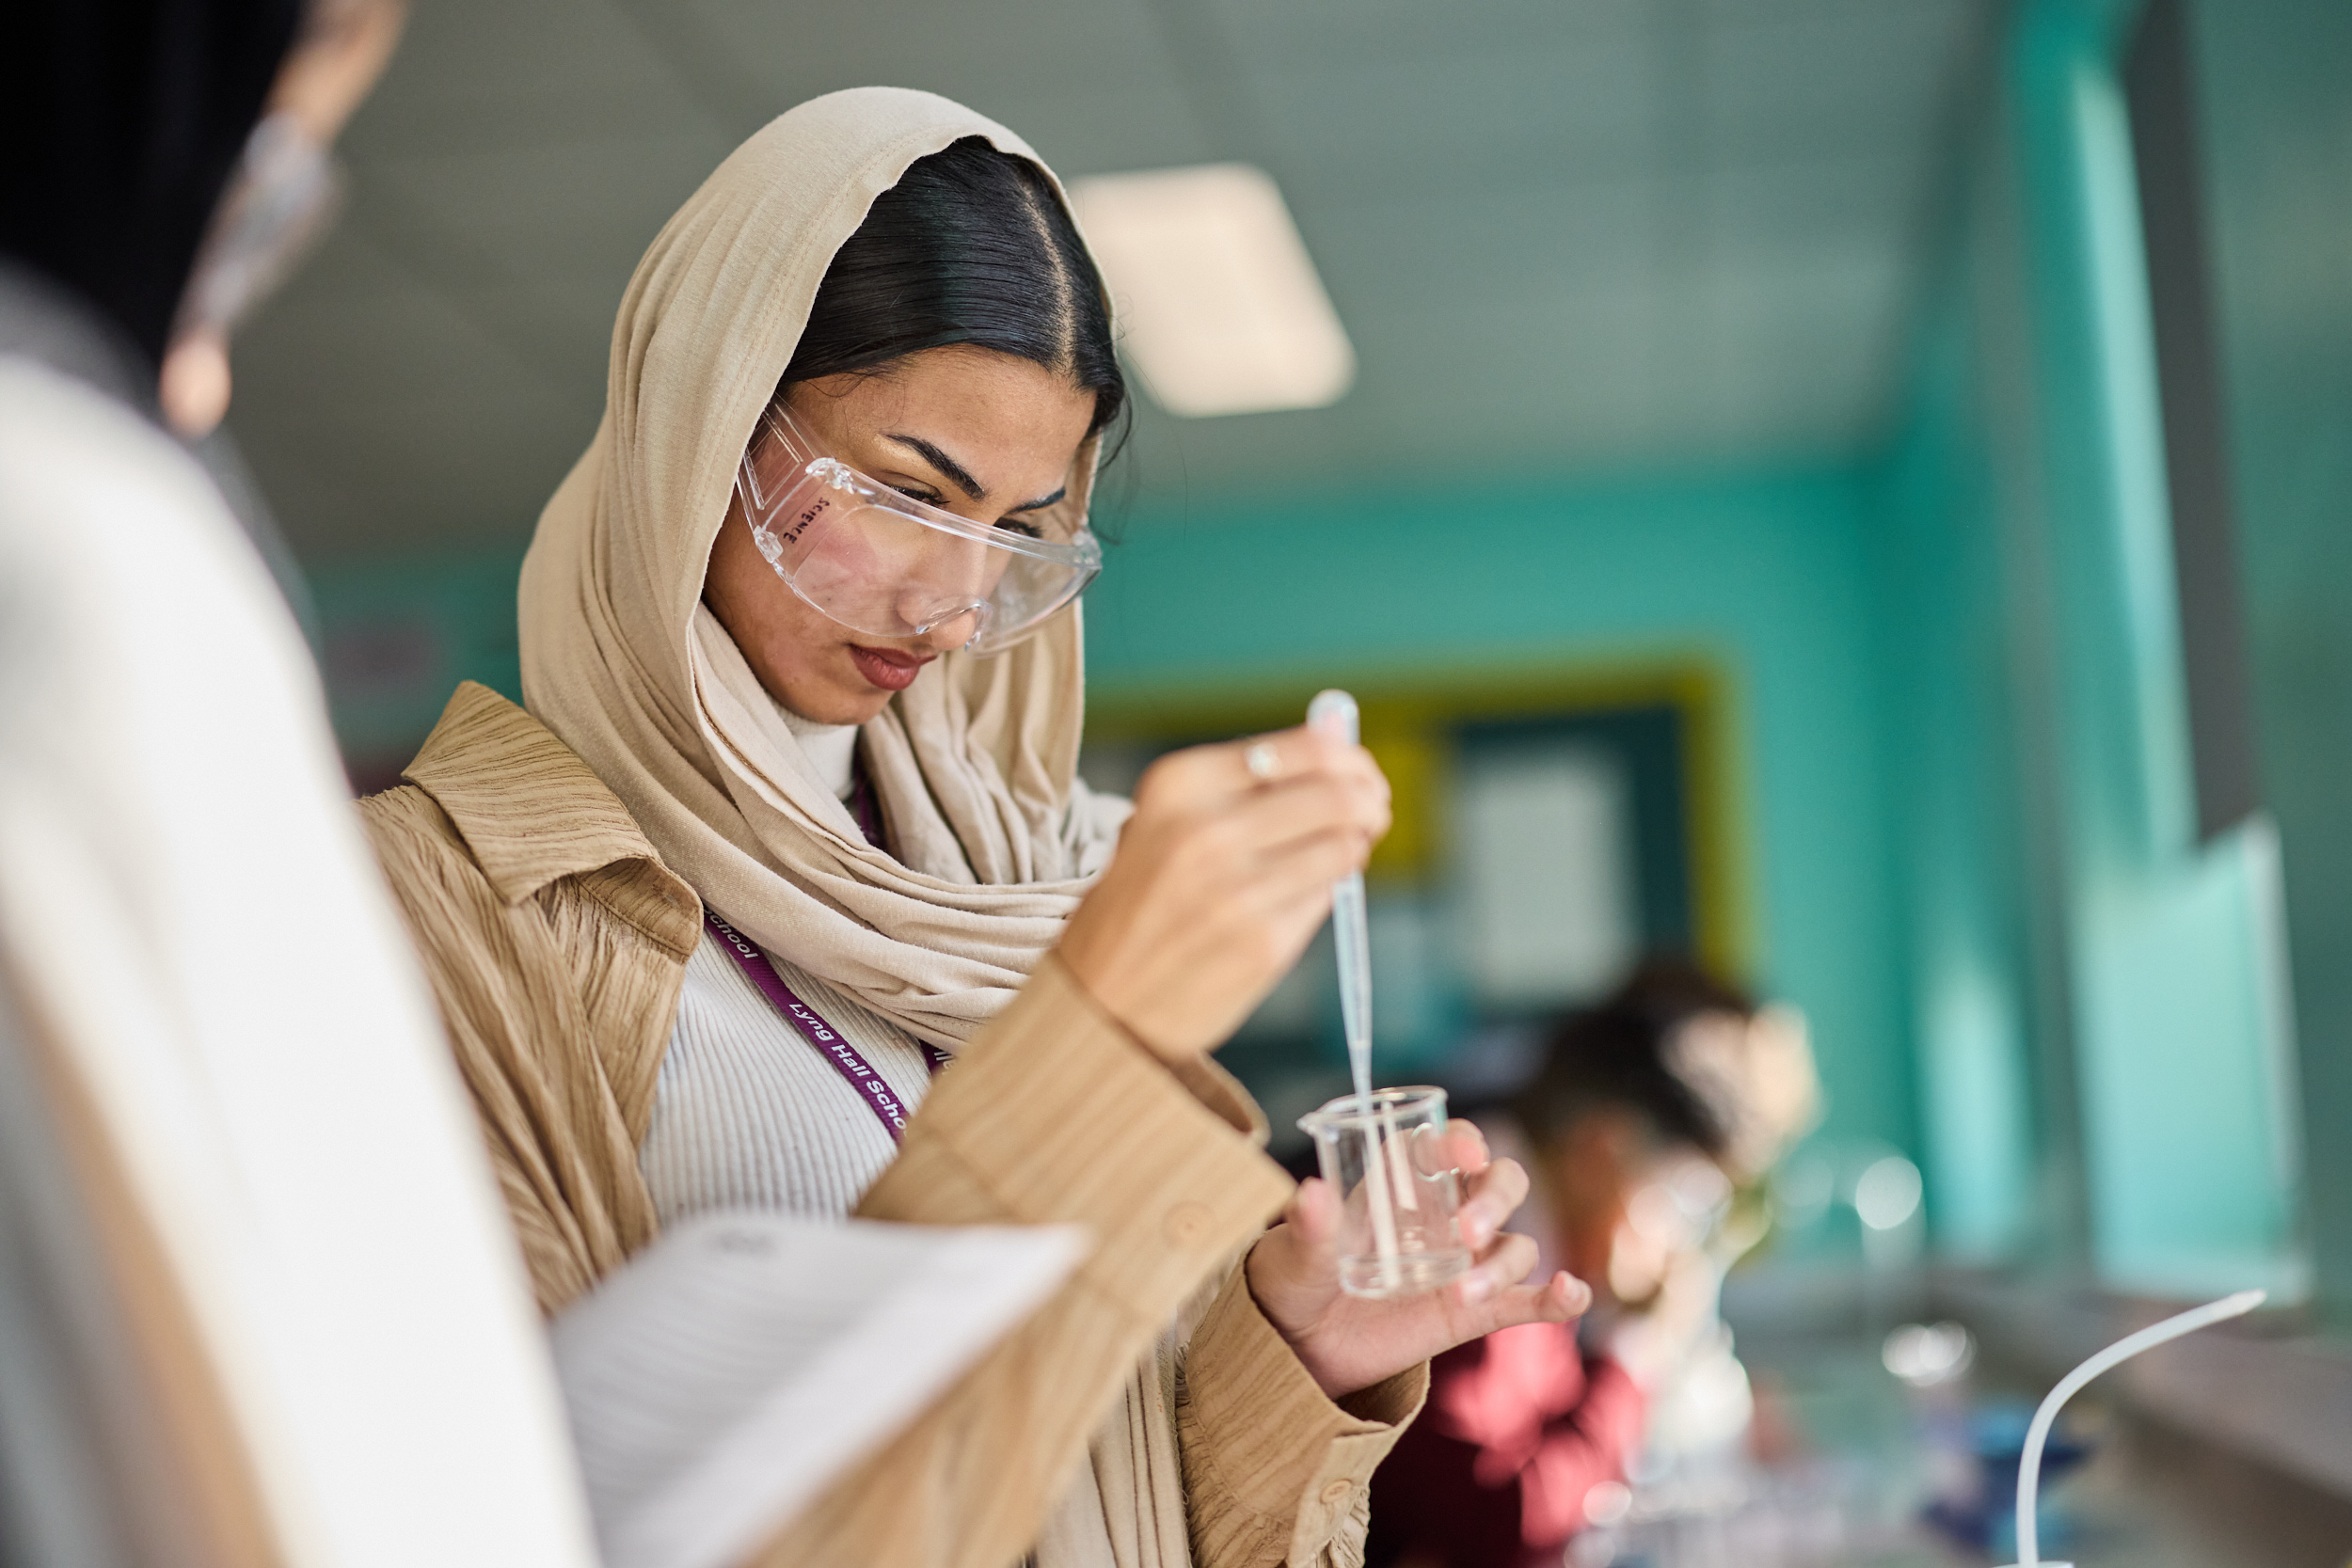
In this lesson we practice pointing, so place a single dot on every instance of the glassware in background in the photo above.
(1398, 1190)
(1821, 1515)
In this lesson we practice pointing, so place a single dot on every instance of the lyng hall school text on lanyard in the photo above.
(860, 1075)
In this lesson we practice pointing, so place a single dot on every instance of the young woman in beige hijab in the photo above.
(793, 824)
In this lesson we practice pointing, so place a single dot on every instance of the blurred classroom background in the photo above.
(1865, 486)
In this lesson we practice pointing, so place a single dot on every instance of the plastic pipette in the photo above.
(1334, 713)
(2029, 1463)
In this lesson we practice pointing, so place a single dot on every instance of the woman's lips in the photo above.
(890, 670)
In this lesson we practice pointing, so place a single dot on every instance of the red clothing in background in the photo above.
(1520, 1426)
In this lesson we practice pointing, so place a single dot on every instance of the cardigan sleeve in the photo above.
(1052, 1116)
(1276, 1471)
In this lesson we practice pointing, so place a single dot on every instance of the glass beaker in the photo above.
(1398, 1190)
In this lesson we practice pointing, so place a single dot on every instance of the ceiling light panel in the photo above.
(1220, 307)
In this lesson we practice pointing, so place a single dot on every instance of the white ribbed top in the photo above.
(749, 1114)
(829, 750)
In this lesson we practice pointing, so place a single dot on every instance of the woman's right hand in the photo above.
(1220, 879)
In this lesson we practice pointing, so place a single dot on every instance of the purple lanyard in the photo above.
(871, 1086)
(865, 804)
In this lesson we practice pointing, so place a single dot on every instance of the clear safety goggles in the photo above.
(886, 564)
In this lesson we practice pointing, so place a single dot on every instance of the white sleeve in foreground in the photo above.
(184, 887)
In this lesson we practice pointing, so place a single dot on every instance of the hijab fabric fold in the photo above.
(975, 764)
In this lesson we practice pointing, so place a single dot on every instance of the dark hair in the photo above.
(123, 123)
(971, 246)
(1613, 1057)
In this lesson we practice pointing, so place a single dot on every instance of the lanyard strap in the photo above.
(865, 804)
(871, 1086)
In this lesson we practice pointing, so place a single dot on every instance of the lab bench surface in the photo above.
(1864, 1457)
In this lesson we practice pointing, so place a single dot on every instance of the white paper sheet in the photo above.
(733, 1367)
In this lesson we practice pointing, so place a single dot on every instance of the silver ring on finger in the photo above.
(1261, 762)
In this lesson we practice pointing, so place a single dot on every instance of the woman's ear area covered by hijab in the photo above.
(980, 434)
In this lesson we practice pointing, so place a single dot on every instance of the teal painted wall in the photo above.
(2273, 83)
(397, 638)
(1767, 575)
(2098, 1006)
(1999, 1185)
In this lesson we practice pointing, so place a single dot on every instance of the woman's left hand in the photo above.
(1348, 1343)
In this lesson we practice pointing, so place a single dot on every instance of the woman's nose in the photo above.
(945, 626)
(948, 596)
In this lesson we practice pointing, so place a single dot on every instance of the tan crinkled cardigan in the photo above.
(556, 941)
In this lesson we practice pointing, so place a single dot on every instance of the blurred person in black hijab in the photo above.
(168, 166)
(125, 124)
(260, 1301)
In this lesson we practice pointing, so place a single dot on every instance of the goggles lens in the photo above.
(889, 565)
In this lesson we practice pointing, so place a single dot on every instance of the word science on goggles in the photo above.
(889, 565)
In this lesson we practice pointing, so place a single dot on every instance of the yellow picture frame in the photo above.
(1410, 716)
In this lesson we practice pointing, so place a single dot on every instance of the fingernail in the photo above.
(1478, 1287)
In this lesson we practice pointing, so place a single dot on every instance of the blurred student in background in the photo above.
(261, 1302)
(1648, 1115)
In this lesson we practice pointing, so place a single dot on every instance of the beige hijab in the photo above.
(975, 764)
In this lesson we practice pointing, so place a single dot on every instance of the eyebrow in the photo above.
(957, 474)
(961, 477)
